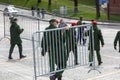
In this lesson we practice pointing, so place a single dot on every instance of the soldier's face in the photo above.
(55, 23)
(16, 21)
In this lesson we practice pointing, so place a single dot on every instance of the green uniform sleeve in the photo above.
(116, 38)
(101, 37)
(44, 43)
(18, 29)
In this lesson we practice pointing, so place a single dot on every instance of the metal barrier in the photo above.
(28, 23)
(55, 50)
(66, 11)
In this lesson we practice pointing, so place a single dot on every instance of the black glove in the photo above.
(42, 52)
(22, 29)
(115, 48)
(102, 45)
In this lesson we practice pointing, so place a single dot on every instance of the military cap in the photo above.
(15, 19)
(94, 22)
(52, 20)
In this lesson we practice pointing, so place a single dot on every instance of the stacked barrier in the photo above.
(63, 47)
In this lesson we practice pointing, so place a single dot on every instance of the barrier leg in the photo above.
(94, 68)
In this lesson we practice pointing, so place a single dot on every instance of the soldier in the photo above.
(11, 18)
(117, 39)
(33, 10)
(62, 24)
(43, 12)
(80, 21)
(15, 39)
(38, 12)
(95, 38)
(71, 43)
(53, 43)
(80, 31)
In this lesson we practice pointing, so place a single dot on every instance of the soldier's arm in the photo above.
(19, 30)
(116, 38)
(101, 37)
(44, 44)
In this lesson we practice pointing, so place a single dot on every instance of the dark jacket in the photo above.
(53, 43)
(71, 41)
(117, 39)
(96, 38)
(15, 32)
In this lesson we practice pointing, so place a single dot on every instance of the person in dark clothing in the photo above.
(11, 18)
(43, 12)
(95, 38)
(80, 31)
(33, 10)
(15, 39)
(71, 43)
(38, 12)
(53, 43)
(117, 39)
(62, 24)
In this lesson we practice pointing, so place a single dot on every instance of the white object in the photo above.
(10, 10)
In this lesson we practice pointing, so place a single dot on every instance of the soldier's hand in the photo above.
(102, 45)
(115, 48)
(42, 52)
(66, 27)
(22, 29)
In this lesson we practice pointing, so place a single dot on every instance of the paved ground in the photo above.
(23, 69)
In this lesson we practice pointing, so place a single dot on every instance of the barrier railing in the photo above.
(28, 23)
(55, 50)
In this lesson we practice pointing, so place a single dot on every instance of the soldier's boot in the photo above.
(75, 61)
(53, 77)
(10, 57)
(100, 63)
(60, 78)
(22, 56)
(90, 64)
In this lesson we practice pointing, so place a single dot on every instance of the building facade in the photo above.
(115, 7)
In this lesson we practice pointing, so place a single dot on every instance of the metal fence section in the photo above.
(66, 11)
(1, 22)
(55, 50)
(28, 23)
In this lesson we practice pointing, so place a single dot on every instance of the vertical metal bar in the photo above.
(47, 41)
(39, 34)
(93, 48)
(34, 60)
(63, 48)
(59, 35)
(37, 53)
(71, 40)
(57, 40)
(38, 24)
(44, 59)
(4, 25)
(50, 49)
(53, 35)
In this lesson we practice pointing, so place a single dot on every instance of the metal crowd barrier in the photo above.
(56, 50)
(2, 24)
(28, 23)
